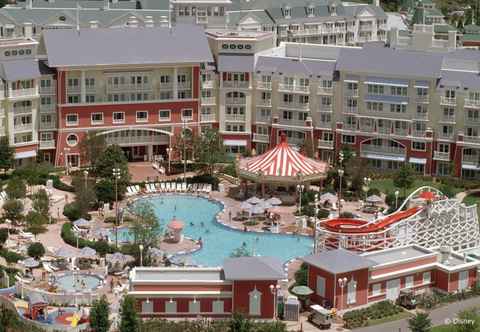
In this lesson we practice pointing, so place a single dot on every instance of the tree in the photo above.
(129, 317)
(85, 197)
(3, 236)
(145, 227)
(239, 323)
(241, 251)
(6, 153)
(105, 191)
(16, 188)
(99, 315)
(41, 203)
(113, 157)
(210, 149)
(403, 179)
(36, 250)
(92, 147)
(420, 323)
(36, 222)
(186, 140)
(13, 210)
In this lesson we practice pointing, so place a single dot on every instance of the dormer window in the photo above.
(287, 12)
(310, 11)
(333, 10)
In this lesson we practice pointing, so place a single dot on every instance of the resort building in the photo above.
(245, 284)
(345, 280)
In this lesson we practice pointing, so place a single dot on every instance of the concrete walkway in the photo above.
(439, 316)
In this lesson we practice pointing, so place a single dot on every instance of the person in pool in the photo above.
(192, 224)
(202, 224)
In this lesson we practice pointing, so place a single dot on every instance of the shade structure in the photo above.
(246, 206)
(119, 258)
(302, 290)
(282, 164)
(328, 197)
(66, 252)
(176, 224)
(254, 200)
(266, 205)
(30, 262)
(274, 201)
(257, 209)
(88, 252)
(427, 195)
(82, 223)
(374, 199)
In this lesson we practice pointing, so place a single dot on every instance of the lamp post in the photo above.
(169, 152)
(184, 151)
(274, 290)
(300, 188)
(85, 176)
(342, 282)
(116, 177)
(140, 247)
(396, 199)
(317, 203)
(340, 175)
(65, 151)
(366, 181)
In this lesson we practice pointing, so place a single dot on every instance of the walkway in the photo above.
(438, 316)
(143, 171)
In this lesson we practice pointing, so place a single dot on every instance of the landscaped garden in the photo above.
(377, 313)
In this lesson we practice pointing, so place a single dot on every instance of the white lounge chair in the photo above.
(137, 189)
(184, 187)
(162, 186)
(167, 187)
(26, 235)
(195, 187)
(129, 192)
(150, 188)
(179, 187)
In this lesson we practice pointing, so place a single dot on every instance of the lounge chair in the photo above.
(184, 187)
(25, 235)
(179, 187)
(137, 189)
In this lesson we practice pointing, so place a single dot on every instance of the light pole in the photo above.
(184, 151)
(274, 290)
(141, 254)
(342, 282)
(366, 181)
(300, 188)
(169, 152)
(116, 176)
(317, 203)
(85, 176)
(340, 175)
(65, 151)
(396, 199)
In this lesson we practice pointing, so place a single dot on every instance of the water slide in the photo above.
(347, 225)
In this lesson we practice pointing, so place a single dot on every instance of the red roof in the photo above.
(175, 224)
(427, 195)
(284, 161)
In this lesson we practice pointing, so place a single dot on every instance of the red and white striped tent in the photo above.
(282, 164)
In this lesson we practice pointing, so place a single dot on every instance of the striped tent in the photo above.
(282, 164)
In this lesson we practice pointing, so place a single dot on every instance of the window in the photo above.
(187, 114)
(462, 280)
(147, 306)
(426, 277)
(352, 292)
(46, 100)
(320, 286)
(419, 146)
(287, 12)
(218, 307)
(171, 307)
(375, 89)
(442, 147)
(374, 107)
(376, 289)
(72, 119)
(409, 282)
(45, 83)
(73, 83)
(90, 99)
(254, 308)
(90, 83)
(422, 92)
(449, 113)
(398, 108)
(398, 91)
(142, 116)
(96, 118)
(310, 11)
(194, 307)
(287, 98)
(46, 136)
(72, 140)
(287, 115)
(447, 131)
(422, 111)
(118, 117)
(348, 139)
(73, 99)
(164, 115)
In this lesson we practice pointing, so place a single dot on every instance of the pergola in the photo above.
(281, 165)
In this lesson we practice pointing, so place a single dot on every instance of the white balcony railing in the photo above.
(263, 118)
(24, 127)
(207, 117)
(325, 144)
(23, 92)
(473, 159)
(47, 108)
(50, 144)
(420, 116)
(294, 105)
(184, 85)
(208, 100)
(422, 99)
(471, 139)
(351, 92)
(47, 90)
(208, 84)
(262, 138)
(292, 122)
(447, 135)
(448, 101)
(236, 84)
(325, 108)
(264, 85)
(350, 109)
(294, 88)
(264, 102)
(47, 125)
(472, 103)
(324, 90)
(384, 130)
(166, 86)
(325, 124)
(236, 101)
(444, 156)
(22, 110)
(472, 119)
(382, 149)
(235, 117)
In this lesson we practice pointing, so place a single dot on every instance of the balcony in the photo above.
(301, 106)
(236, 84)
(124, 87)
(292, 122)
(393, 151)
(443, 156)
(473, 159)
(33, 92)
(47, 90)
(129, 140)
(294, 88)
(235, 117)
(366, 129)
(235, 101)
(384, 130)
(184, 85)
(400, 132)
(264, 85)
(22, 110)
(448, 101)
(472, 103)
(366, 27)
(47, 108)
(263, 118)
(23, 127)
(325, 124)
(208, 84)
(264, 102)
(447, 118)
(418, 133)
(325, 108)
(207, 117)
(472, 119)
(443, 135)
(296, 141)
(325, 90)
(166, 86)
(325, 144)
(350, 126)
(262, 138)
(47, 125)
(208, 101)
(350, 109)
(351, 92)
(472, 139)
(422, 99)
(420, 116)
(45, 145)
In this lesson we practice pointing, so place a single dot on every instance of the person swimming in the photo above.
(192, 224)
(202, 224)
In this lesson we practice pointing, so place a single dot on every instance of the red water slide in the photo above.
(347, 225)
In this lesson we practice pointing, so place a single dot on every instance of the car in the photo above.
(407, 299)
(320, 317)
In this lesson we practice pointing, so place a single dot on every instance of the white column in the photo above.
(175, 83)
(83, 98)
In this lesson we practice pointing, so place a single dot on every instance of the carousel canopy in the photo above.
(81, 223)
(65, 252)
(374, 199)
(30, 262)
(88, 252)
(175, 224)
(282, 164)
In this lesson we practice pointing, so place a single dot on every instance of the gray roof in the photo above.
(253, 268)
(13, 70)
(98, 4)
(36, 298)
(338, 261)
(238, 63)
(294, 66)
(178, 274)
(386, 61)
(145, 46)
(460, 79)
(397, 254)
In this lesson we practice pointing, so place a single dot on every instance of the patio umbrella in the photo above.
(65, 252)
(328, 197)
(302, 290)
(30, 263)
(82, 223)
(266, 205)
(254, 200)
(374, 199)
(88, 252)
(257, 209)
(274, 201)
(120, 258)
(246, 206)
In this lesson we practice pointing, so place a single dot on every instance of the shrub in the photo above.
(34, 173)
(73, 212)
(10, 256)
(373, 191)
(13, 210)
(301, 275)
(36, 250)
(347, 214)
(16, 188)
(69, 237)
(36, 222)
(3, 236)
(58, 184)
(230, 170)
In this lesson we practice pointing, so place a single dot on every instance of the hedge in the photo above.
(69, 237)
(10, 256)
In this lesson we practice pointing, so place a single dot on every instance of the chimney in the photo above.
(149, 22)
(376, 3)
(163, 22)
(452, 40)
(93, 24)
(444, 254)
(106, 4)
(29, 4)
(28, 29)
(393, 37)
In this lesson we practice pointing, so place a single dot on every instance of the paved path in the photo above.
(438, 317)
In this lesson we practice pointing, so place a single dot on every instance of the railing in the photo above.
(471, 139)
(236, 101)
(422, 99)
(292, 122)
(264, 102)
(448, 101)
(301, 106)
(366, 129)
(448, 118)
(350, 126)
(128, 87)
(25, 127)
(382, 149)
(73, 89)
(351, 92)
(350, 109)
(235, 117)
(325, 144)
(260, 118)
(296, 141)
(418, 133)
(400, 132)
(446, 135)
(473, 159)
(143, 139)
(47, 125)
(166, 86)
(208, 84)
(384, 130)
(207, 117)
(22, 109)
(184, 85)
(47, 90)
(208, 100)
(47, 144)
(264, 85)
(325, 124)
(472, 119)
(366, 27)
(420, 116)
(438, 155)
(47, 108)
(261, 138)
(294, 87)
(324, 90)
(325, 108)
(475, 103)
(23, 92)
(236, 84)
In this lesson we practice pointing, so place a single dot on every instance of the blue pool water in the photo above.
(218, 240)
(78, 283)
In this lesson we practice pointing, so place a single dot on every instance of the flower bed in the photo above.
(361, 317)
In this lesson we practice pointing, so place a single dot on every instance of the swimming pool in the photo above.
(78, 283)
(199, 217)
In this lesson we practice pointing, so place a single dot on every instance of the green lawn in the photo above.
(386, 185)
(401, 315)
(443, 328)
